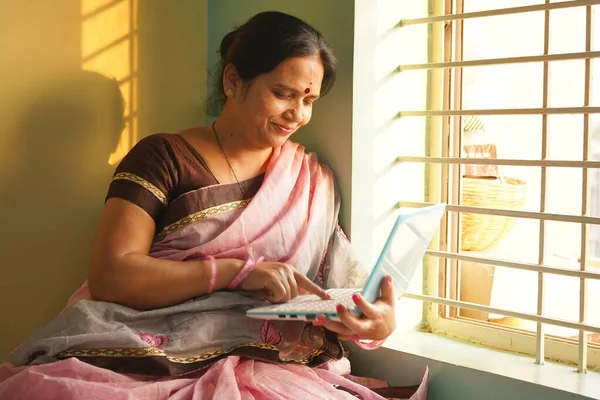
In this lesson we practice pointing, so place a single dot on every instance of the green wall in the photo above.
(173, 64)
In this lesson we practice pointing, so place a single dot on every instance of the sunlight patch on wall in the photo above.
(109, 45)
(90, 6)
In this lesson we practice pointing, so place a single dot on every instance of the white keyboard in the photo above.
(311, 303)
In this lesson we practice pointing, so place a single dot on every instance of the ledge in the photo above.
(469, 371)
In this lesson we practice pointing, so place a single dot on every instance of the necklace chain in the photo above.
(227, 159)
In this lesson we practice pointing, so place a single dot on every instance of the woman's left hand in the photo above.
(376, 322)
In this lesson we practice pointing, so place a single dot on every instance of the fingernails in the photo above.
(339, 308)
(321, 320)
(389, 278)
(355, 298)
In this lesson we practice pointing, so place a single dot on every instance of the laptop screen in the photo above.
(404, 249)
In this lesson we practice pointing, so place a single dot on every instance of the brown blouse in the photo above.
(162, 167)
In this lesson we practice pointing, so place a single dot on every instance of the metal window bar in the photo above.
(455, 182)
(501, 111)
(501, 161)
(502, 311)
(501, 11)
(585, 194)
(433, 183)
(445, 173)
(516, 265)
(451, 128)
(582, 219)
(501, 61)
(539, 333)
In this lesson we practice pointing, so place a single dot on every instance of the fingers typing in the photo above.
(311, 287)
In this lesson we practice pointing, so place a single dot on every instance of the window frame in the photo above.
(441, 316)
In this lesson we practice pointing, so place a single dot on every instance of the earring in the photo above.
(229, 92)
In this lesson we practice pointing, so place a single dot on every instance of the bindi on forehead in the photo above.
(307, 90)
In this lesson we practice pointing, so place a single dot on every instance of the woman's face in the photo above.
(276, 104)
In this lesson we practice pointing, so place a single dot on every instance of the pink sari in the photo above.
(208, 348)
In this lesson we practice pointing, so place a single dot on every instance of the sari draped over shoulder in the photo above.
(291, 217)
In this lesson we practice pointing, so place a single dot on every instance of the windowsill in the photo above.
(512, 366)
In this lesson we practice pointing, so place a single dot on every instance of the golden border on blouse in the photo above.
(200, 215)
(143, 183)
(154, 352)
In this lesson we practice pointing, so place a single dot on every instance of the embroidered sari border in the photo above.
(200, 215)
(206, 197)
(143, 183)
(155, 352)
(139, 352)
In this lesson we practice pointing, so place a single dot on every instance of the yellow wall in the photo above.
(81, 81)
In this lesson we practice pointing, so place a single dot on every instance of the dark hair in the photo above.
(262, 43)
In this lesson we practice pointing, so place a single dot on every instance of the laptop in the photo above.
(400, 257)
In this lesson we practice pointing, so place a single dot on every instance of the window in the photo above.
(512, 122)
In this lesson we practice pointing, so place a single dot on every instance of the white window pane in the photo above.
(516, 136)
(567, 30)
(563, 244)
(565, 137)
(503, 86)
(564, 191)
(561, 300)
(503, 36)
(504, 238)
(593, 300)
(595, 28)
(514, 290)
(566, 83)
(483, 5)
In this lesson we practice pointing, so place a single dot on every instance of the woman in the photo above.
(202, 225)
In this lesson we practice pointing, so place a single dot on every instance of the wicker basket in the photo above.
(481, 231)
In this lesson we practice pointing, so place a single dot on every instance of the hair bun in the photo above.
(227, 43)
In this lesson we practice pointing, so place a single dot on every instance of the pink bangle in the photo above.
(375, 344)
(213, 274)
(244, 272)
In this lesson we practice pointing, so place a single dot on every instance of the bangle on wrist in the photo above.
(213, 277)
(213, 274)
(244, 272)
(375, 344)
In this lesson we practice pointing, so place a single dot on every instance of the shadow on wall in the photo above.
(66, 133)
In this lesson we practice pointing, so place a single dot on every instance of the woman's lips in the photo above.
(283, 129)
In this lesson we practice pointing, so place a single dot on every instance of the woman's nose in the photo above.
(295, 114)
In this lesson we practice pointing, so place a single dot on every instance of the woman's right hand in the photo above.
(280, 282)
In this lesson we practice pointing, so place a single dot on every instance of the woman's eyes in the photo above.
(281, 95)
(284, 96)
